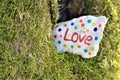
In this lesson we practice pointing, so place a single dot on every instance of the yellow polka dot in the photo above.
(87, 30)
(93, 24)
(80, 31)
(64, 45)
(65, 25)
(92, 48)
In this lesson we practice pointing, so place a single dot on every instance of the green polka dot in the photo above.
(72, 46)
(85, 50)
(56, 26)
(75, 27)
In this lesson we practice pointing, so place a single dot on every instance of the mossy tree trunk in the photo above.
(27, 51)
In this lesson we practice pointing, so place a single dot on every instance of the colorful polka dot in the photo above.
(82, 25)
(96, 38)
(72, 24)
(75, 27)
(59, 30)
(64, 45)
(72, 46)
(87, 30)
(80, 31)
(100, 25)
(56, 26)
(89, 21)
(92, 48)
(93, 24)
(89, 53)
(55, 36)
(59, 42)
(85, 50)
(81, 20)
(60, 35)
(79, 46)
(95, 29)
(65, 25)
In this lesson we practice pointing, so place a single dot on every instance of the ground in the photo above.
(27, 51)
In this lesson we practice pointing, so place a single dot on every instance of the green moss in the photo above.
(27, 51)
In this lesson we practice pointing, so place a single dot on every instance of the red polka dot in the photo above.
(60, 36)
(81, 20)
(100, 25)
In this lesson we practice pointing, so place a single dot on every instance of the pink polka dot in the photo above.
(89, 53)
(100, 25)
(60, 35)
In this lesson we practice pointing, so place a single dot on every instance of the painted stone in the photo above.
(80, 35)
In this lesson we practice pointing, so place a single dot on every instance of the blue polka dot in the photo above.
(85, 50)
(59, 30)
(89, 21)
(96, 38)
(72, 24)
(95, 29)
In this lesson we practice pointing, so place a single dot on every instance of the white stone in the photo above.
(80, 35)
